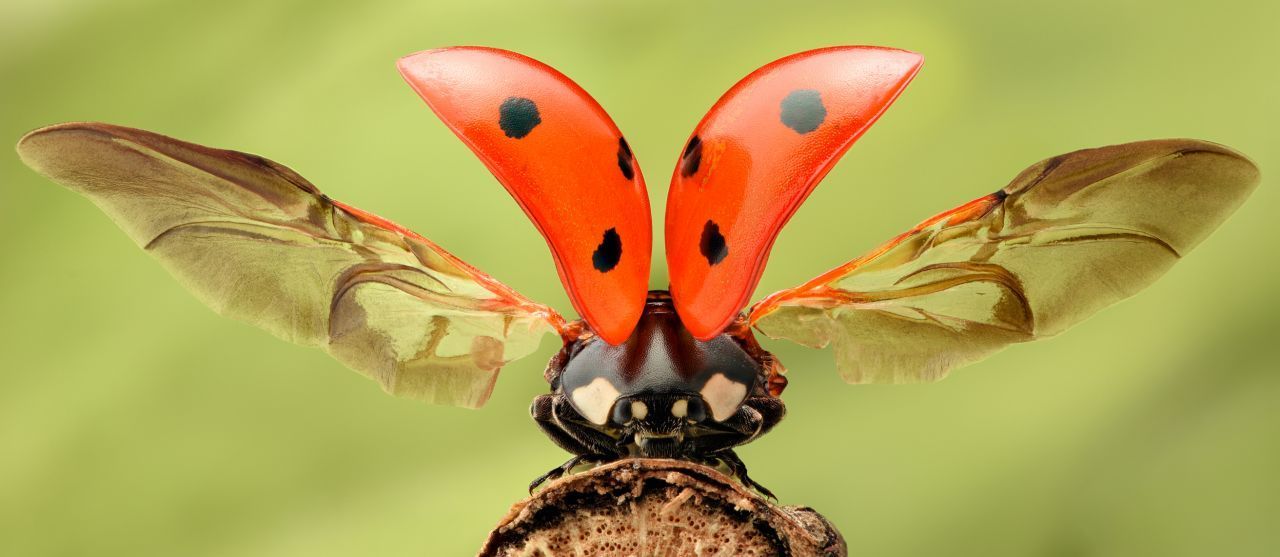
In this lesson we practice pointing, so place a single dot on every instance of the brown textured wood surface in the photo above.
(657, 507)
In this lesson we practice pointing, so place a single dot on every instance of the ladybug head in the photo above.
(661, 381)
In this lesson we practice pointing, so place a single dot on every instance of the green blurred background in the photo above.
(135, 422)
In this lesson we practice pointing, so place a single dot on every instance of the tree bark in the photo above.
(643, 507)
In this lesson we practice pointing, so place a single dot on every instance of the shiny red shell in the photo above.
(752, 161)
(563, 160)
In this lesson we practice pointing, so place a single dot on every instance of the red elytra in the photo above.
(563, 160)
(748, 166)
(753, 160)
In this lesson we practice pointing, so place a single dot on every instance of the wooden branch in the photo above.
(641, 507)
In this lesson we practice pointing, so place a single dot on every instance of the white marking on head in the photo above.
(723, 395)
(680, 408)
(639, 410)
(595, 399)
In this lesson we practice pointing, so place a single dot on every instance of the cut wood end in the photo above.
(639, 507)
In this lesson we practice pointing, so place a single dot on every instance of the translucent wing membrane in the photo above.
(1068, 237)
(755, 157)
(564, 161)
(258, 243)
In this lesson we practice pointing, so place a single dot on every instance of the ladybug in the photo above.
(672, 373)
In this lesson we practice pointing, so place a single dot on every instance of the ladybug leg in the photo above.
(569, 431)
(558, 471)
(739, 469)
(599, 444)
(543, 414)
(756, 416)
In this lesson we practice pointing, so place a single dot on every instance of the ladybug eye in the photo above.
(625, 412)
(694, 410)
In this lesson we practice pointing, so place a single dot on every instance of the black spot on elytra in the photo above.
(609, 252)
(625, 159)
(802, 110)
(691, 158)
(712, 244)
(518, 116)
